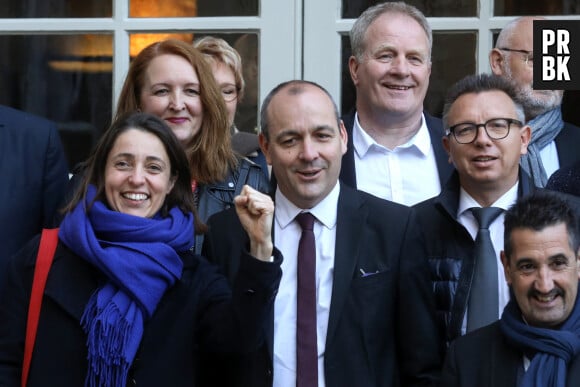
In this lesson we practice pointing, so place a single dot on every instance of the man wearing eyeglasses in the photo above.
(553, 142)
(485, 137)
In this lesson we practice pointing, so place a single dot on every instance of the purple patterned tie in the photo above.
(306, 343)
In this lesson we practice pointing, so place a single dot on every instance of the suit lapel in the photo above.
(436, 133)
(505, 364)
(350, 223)
(347, 170)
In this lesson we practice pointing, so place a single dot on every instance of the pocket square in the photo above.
(366, 274)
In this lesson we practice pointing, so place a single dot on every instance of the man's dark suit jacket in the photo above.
(436, 132)
(381, 328)
(34, 176)
(567, 145)
(450, 250)
(483, 358)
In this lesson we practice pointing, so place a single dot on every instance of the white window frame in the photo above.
(279, 27)
(324, 27)
(299, 39)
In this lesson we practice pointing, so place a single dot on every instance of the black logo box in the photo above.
(573, 62)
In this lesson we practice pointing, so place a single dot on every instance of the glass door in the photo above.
(66, 59)
(463, 35)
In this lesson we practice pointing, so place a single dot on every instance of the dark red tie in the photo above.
(306, 347)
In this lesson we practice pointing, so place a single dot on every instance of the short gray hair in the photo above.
(361, 25)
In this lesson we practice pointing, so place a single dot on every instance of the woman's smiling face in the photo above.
(171, 91)
(137, 174)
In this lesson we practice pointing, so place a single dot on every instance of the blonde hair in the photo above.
(217, 50)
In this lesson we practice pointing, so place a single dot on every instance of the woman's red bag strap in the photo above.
(48, 242)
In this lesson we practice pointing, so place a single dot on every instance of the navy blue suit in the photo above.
(34, 177)
(436, 132)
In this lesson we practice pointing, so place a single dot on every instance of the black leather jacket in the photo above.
(219, 196)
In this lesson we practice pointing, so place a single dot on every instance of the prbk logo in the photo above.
(557, 54)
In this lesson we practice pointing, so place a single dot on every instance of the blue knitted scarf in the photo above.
(554, 348)
(139, 256)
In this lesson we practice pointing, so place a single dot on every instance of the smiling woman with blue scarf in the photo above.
(126, 301)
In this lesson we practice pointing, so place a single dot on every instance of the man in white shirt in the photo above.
(395, 149)
(374, 314)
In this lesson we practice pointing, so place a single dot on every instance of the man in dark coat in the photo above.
(375, 323)
(34, 179)
(537, 340)
(485, 138)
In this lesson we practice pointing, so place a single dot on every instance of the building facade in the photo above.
(66, 59)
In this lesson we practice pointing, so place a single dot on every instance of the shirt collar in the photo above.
(466, 201)
(362, 142)
(325, 211)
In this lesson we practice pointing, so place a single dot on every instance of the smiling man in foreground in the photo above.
(537, 340)
(363, 314)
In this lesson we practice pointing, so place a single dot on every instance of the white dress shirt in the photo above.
(407, 174)
(466, 218)
(287, 233)
(549, 156)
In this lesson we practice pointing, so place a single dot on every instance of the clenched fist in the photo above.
(256, 213)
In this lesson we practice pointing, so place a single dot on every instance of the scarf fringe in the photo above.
(109, 333)
(140, 258)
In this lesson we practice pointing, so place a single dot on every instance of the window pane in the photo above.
(449, 65)
(247, 112)
(189, 8)
(247, 46)
(65, 78)
(454, 60)
(536, 7)
(439, 8)
(138, 42)
(55, 8)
